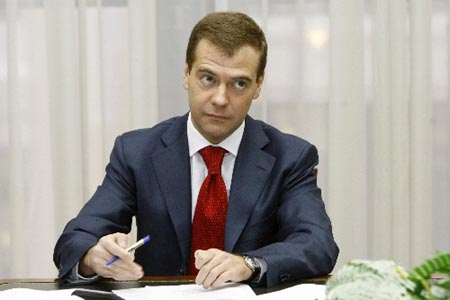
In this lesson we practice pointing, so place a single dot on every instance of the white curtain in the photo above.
(366, 81)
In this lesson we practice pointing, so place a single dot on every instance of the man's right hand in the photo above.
(94, 261)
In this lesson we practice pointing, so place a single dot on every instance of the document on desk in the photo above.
(32, 294)
(302, 291)
(232, 291)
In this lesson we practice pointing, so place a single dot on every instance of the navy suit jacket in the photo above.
(275, 208)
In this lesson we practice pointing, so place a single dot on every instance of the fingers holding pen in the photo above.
(123, 268)
(109, 246)
(115, 245)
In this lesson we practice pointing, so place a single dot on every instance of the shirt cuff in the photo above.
(263, 264)
(74, 278)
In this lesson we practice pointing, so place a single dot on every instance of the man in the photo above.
(247, 209)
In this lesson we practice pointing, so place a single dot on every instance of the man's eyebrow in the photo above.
(243, 77)
(238, 77)
(206, 70)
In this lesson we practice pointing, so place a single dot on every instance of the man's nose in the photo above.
(220, 96)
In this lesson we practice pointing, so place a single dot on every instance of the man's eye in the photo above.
(207, 80)
(240, 85)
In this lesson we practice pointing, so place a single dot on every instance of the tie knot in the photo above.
(213, 157)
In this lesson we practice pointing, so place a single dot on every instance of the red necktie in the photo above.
(208, 226)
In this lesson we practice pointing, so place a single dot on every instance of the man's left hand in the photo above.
(217, 267)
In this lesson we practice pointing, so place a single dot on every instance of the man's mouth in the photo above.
(217, 116)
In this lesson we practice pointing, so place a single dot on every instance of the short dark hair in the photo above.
(229, 31)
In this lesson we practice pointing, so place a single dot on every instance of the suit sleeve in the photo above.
(110, 210)
(304, 245)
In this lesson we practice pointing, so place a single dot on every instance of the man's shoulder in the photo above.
(279, 137)
(287, 148)
(145, 140)
(178, 123)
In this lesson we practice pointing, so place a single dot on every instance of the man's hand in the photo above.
(94, 261)
(217, 267)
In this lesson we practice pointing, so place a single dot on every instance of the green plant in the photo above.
(422, 275)
(385, 280)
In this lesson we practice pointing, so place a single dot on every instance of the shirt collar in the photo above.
(197, 141)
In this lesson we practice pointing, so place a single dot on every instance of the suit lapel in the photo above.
(251, 171)
(173, 172)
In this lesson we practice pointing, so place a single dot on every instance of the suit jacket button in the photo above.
(285, 278)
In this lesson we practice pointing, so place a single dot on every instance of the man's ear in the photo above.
(259, 83)
(186, 77)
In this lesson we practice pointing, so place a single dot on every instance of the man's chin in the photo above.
(215, 136)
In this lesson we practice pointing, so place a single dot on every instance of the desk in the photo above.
(108, 284)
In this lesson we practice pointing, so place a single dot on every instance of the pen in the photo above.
(138, 244)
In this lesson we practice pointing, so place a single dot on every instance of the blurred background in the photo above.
(366, 81)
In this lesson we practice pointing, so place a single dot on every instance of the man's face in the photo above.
(221, 89)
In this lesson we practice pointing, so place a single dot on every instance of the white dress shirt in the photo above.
(199, 171)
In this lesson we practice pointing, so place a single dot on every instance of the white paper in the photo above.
(232, 291)
(31, 294)
(301, 291)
